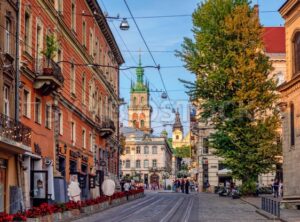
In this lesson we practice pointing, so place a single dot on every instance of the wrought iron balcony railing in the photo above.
(13, 130)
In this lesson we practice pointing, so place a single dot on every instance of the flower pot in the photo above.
(75, 212)
(47, 218)
(66, 215)
(57, 217)
(47, 71)
(33, 220)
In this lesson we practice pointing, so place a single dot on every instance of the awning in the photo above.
(224, 172)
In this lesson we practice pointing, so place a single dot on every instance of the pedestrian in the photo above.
(127, 188)
(187, 186)
(280, 189)
(275, 188)
(182, 185)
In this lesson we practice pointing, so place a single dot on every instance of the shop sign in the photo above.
(92, 181)
(82, 181)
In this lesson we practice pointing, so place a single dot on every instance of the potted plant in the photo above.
(49, 52)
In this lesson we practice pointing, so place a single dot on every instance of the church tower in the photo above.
(139, 109)
(177, 136)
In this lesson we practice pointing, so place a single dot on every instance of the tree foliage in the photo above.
(233, 85)
(182, 152)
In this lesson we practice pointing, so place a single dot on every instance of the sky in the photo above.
(163, 36)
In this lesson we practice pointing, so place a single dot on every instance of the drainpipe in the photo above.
(17, 77)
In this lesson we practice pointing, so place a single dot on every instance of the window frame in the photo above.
(83, 137)
(7, 35)
(38, 116)
(146, 149)
(138, 164)
(26, 103)
(154, 161)
(6, 100)
(48, 118)
(127, 164)
(146, 160)
(153, 149)
(73, 133)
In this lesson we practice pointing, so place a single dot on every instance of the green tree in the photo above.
(182, 152)
(232, 83)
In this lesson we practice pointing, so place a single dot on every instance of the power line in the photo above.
(149, 51)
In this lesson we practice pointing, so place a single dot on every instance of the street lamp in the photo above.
(124, 25)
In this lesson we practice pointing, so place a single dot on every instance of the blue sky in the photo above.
(164, 36)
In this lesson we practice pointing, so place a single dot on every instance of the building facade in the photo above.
(15, 138)
(290, 95)
(70, 100)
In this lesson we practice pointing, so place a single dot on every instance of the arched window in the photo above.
(297, 53)
(134, 101)
(292, 122)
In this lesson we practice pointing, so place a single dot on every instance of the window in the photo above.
(177, 137)
(154, 150)
(83, 135)
(127, 164)
(59, 57)
(48, 116)
(127, 150)
(146, 150)
(134, 101)
(297, 53)
(6, 100)
(138, 150)
(59, 6)
(146, 163)
(60, 123)
(72, 79)
(26, 103)
(205, 146)
(73, 15)
(91, 142)
(138, 164)
(27, 32)
(7, 37)
(292, 122)
(37, 110)
(73, 133)
(154, 163)
(142, 123)
(83, 89)
(91, 42)
(142, 100)
(84, 33)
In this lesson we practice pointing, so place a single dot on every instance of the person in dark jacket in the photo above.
(187, 186)
(182, 185)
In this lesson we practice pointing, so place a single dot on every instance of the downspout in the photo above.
(17, 77)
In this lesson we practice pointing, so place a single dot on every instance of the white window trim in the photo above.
(61, 123)
(73, 140)
(28, 103)
(73, 80)
(91, 142)
(7, 35)
(84, 138)
(50, 117)
(6, 100)
(39, 118)
(27, 46)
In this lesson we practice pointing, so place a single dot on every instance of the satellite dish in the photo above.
(108, 187)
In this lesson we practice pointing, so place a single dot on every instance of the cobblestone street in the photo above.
(165, 207)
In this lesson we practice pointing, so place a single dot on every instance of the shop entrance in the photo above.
(2, 188)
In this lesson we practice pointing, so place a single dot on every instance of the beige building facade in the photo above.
(290, 96)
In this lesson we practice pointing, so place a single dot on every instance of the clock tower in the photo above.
(139, 109)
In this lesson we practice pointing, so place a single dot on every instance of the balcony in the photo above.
(14, 136)
(107, 127)
(48, 76)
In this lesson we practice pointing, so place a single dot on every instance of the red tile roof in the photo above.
(274, 39)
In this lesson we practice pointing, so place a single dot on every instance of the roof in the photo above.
(274, 39)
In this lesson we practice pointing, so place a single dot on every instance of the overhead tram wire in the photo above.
(149, 52)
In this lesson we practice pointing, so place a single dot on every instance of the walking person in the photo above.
(182, 185)
(275, 188)
(127, 188)
(187, 186)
